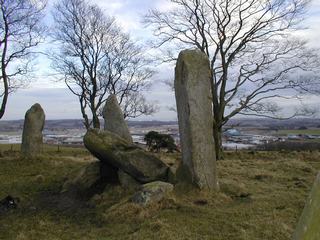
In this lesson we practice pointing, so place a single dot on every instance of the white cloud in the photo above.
(128, 12)
(56, 102)
(164, 5)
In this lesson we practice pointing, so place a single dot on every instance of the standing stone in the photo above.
(32, 131)
(194, 105)
(309, 224)
(115, 123)
(114, 120)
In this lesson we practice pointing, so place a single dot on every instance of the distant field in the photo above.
(296, 132)
(50, 149)
(11, 133)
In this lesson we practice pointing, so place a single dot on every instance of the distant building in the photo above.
(73, 141)
(232, 132)
(293, 137)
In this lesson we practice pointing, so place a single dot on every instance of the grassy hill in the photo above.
(262, 196)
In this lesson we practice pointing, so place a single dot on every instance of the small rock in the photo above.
(8, 203)
(39, 178)
(152, 193)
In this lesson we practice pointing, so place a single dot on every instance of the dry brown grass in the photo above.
(262, 195)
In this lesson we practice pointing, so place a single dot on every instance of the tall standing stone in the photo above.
(32, 138)
(194, 105)
(114, 120)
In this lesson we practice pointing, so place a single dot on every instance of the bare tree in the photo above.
(96, 59)
(251, 44)
(20, 32)
(135, 105)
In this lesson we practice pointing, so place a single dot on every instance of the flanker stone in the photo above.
(114, 120)
(309, 224)
(32, 138)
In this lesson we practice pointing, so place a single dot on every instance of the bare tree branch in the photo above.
(95, 59)
(20, 32)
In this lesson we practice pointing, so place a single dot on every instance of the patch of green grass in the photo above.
(262, 196)
(9, 147)
(302, 131)
(50, 150)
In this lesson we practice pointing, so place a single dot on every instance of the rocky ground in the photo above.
(262, 195)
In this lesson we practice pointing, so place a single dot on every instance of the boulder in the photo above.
(84, 181)
(32, 138)
(127, 182)
(111, 149)
(92, 179)
(193, 96)
(114, 120)
(152, 193)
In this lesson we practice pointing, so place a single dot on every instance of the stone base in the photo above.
(152, 193)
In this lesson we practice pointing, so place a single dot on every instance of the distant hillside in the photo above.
(16, 125)
(273, 123)
(7, 126)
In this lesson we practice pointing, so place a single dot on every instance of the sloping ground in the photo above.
(262, 196)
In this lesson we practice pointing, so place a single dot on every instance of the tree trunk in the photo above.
(4, 76)
(83, 112)
(217, 135)
(95, 121)
(5, 94)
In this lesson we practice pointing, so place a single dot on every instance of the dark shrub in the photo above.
(156, 141)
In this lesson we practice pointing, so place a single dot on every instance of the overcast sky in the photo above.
(59, 103)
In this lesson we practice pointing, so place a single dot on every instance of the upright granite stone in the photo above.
(114, 120)
(194, 105)
(309, 224)
(115, 123)
(32, 138)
